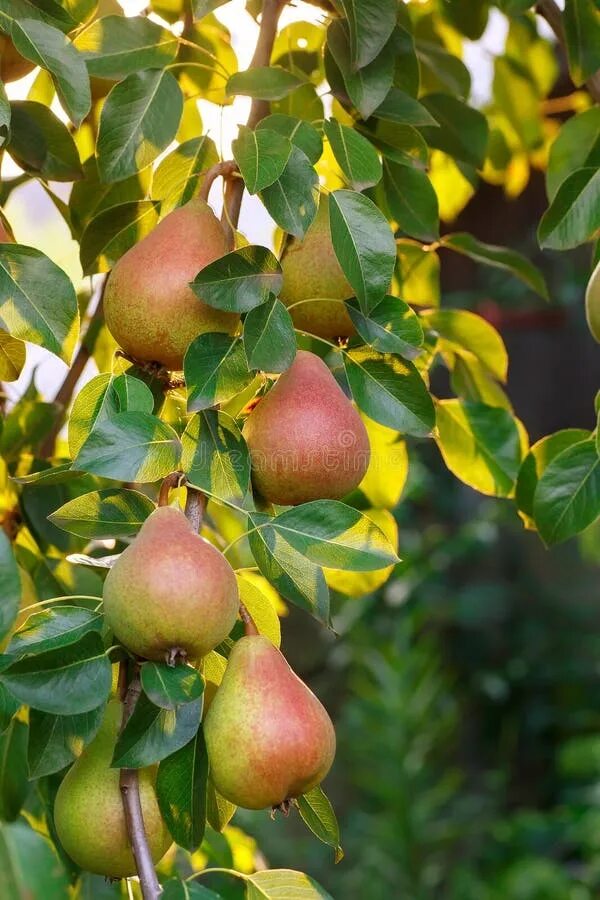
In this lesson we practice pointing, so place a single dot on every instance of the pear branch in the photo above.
(171, 481)
(550, 11)
(249, 623)
(225, 170)
(234, 190)
(130, 795)
(194, 507)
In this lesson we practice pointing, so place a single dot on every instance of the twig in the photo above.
(130, 795)
(224, 169)
(234, 190)
(65, 391)
(171, 481)
(249, 623)
(550, 11)
(194, 507)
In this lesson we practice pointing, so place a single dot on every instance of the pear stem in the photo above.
(226, 169)
(234, 189)
(168, 483)
(130, 794)
(194, 507)
(249, 623)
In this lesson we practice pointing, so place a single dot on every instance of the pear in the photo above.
(12, 65)
(268, 737)
(592, 304)
(170, 594)
(88, 811)
(306, 440)
(149, 307)
(311, 270)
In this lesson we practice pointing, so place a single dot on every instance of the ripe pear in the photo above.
(268, 737)
(88, 811)
(12, 65)
(150, 309)
(171, 593)
(311, 270)
(306, 440)
(592, 303)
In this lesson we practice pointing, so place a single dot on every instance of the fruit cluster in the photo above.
(172, 595)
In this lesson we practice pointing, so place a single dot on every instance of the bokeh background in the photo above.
(466, 690)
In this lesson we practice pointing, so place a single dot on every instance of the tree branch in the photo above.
(225, 169)
(551, 12)
(130, 795)
(234, 190)
(194, 507)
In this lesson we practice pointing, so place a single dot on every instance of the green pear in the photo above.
(592, 303)
(12, 65)
(311, 270)
(150, 309)
(170, 593)
(306, 440)
(268, 737)
(88, 811)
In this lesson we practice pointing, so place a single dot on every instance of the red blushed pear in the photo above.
(306, 440)
(12, 65)
(149, 306)
(170, 594)
(268, 737)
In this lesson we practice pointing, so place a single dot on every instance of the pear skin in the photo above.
(12, 65)
(150, 309)
(88, 811)
(311, 272)
(170, 593)
(592, 304)
(269, 739)
(306, 440)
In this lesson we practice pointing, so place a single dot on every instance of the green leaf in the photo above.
(138, 121)
(66, 681)
(4, 116)
(537, 461)
(173, 889)
(130, 446)
(37, 300)
(114, 231)
(517, 97)
(239, 280)
(49, 48)
(10, 586)
(302, 134)
(363, 244)
(30, 866)
(412, 201)
(370, 23)
(441, 70)
(269, 337)
(500, 258)
(462, 132)
(390, 327)
(264, 83)
(261, 156)
(567, 497)
(90, 196)
(368, 86)
(464, 330)
(260, 606)
(283, 884)
(41, 144)
(116, 46)
(581, 20)
(14, 784)
(53, 629)
(356, 156)
(12, 357)
(390, 391)
(46, 11)
(51, 475)
(9, 705)
(215, 370)
(181, 794)
(317, 812)
(401, 144)
(291, 199)
(109, 513)
(332, 534)
(99, 399)
(577, 146)
(55, 741)
(171, 686)
(480, 444)
(400, 107)
(153, 733)
(215, 457)
(179, 175)
(202, 8)
(295, 578)
(574, 215)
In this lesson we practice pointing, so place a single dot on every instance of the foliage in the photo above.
(401, 148)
